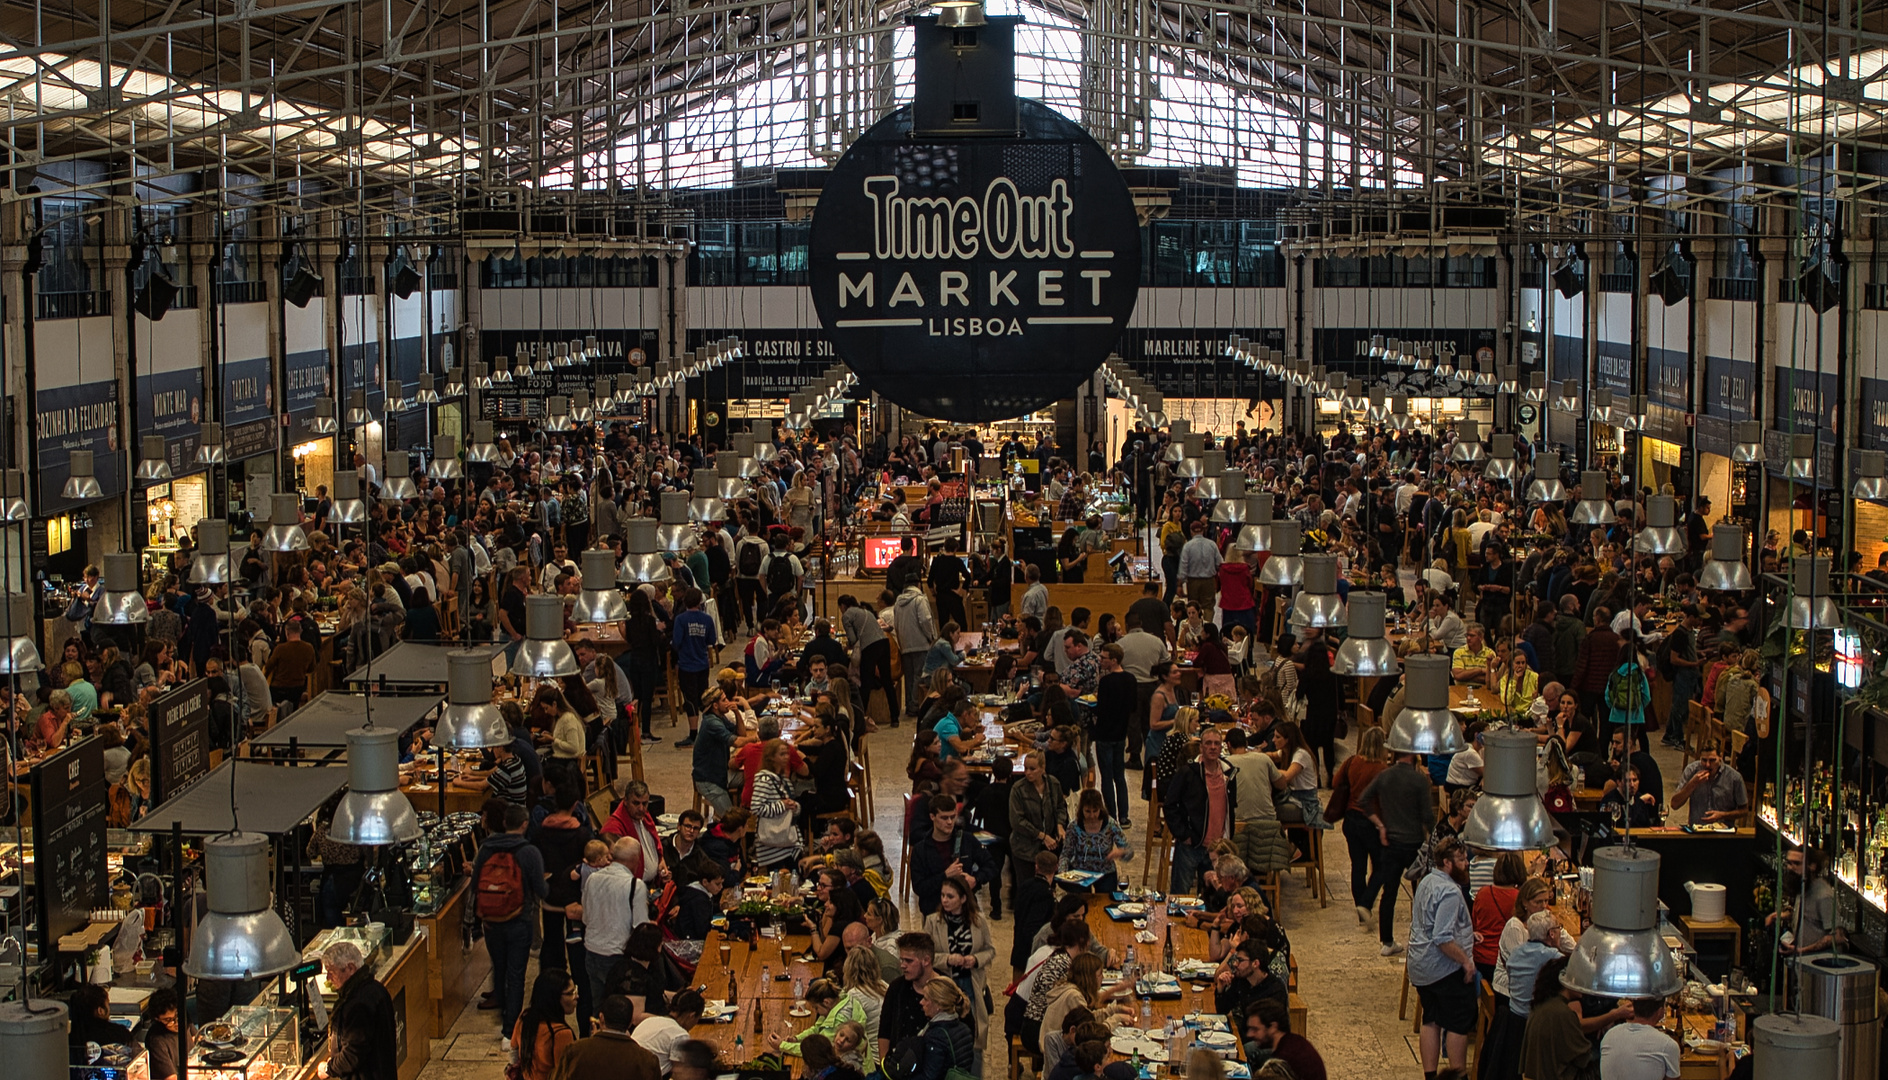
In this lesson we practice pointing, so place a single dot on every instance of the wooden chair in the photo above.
(1310, 858)
(1697, 730)
(1159, 843)
(904, 853)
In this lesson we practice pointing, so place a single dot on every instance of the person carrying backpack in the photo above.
(750, 554)
(780, 572)
(507, 881)
(1627, 691)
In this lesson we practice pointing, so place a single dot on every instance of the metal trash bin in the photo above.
(1844, 989)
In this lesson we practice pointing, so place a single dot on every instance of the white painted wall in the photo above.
(69, 352)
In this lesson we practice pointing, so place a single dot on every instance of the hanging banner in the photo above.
(1613, 367)
(361, 370)
(624, 349)
(1668, 378)
(83, 417)
(249, 422)
(310, 378)
(1191, 362)
(170, 404)
(1730, 388)
(1874, 414)
(1569, 359)
(777, 363)
(1346, 350)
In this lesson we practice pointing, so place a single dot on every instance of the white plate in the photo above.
(1131, 909)
(1207, 1021)
(1127, 1032)
(1149, 1051)
(1217, 1040)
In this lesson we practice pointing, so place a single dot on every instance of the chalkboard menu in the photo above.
(180, 739)
(69, 875)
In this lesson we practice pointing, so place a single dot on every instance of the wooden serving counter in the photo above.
(454, 971)
(403, 973)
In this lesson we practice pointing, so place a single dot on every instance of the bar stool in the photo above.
(1310, 858)
(1159, 843)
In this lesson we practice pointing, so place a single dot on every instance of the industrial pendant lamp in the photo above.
(1425, 726)
(1638, 407)
(348, 507)
(590, 349)
(426, 394)
(1594, 508)
(1725, 571)
(603, 390)
(1231, 507)
(153, 461)
(1802, 457)
(641, 563)
(80, 483)
(1747, 442)
(374, 812)
(1365, 653)
(674, 533)
(1256, 533)
(1510, 815)
(1502, 465)
(501, 372)
(544, 654)
(1379, 411)
(22, 615)
(600, 601)
(393, 397)
(1621, 955)
(1317, 603)
(481, 375)
(470, 721)
(285, 525)
(398, 483)
(1604, 411)
(455, 383)
(1192, 447)
(1355, 398)
(482, 448)
(1286, 566)
(210, 449)
(1784, 1046)
(1400, 419)
(729, 483)
(525, 365)
(1661, 535)
(1546, 486)
(119, 601)
(241, 937)
(358, 414)
(558, 418)
(1212, 468)
(1811, 607)
(13, 503)
(1869, 468)
(445, 464)
(1509, 380)
(1536, 392)
(211, 564)
(1567, 397)
(1468, 443)
(704, 503)
(324, 422)
(747, 466)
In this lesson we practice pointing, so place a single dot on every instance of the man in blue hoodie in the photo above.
(693, 638)
(507, 883)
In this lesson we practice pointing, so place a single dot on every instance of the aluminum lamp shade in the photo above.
(13, 503)
(1869, 482)
(481, 375)
(393, 393)
(348, 508)
(374, 813)
(21, 614)
(641, 563)
(1502, 464)
(120, 603)
(1212, 468)
(1509, 381)
(1604, 411)
(1747, 442)
(482, 448)
(1621, 955)
(1594, 508)
(1425, 726)
(210, 449)
(1468, 443)
(1547, 486)
(1192, 445)
(358, 414)
(1802, 457)
(1286, 566)
(600, 601)
(241, 937)
(675, 533)
(1365, 653)
(1811, 606)
(445, 464)
(427, 394)
(1318, 604)
(1567, 397)
(524, 366)
(559, 416)
(1231, 507)
(544, 654)
(1536, 391)
(455, 383)
(211, 564)
(1256, 533)
(324, 422)
(80, 483)
(1725, 571)
(153, 461)
(1787, 1046)
(1661, 535)
(470, 720)
(501, 372)
(285, 525)
(1510, 815)
(729, 483)
(398, 483)
(1400, 419)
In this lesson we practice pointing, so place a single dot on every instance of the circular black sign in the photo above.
(975, 279)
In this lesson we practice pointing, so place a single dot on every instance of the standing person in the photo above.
(948, 850)
(361, 1025)
(542, 1035)
(916, 628)
(289, 666)
(1199, 806)
(612, 1053)
(642, 660)
(904, 1015)
(1401, 804)
(1679, 650)
(1038, 815)
(1441, 960)
(615, 902)
(1319, 687)
(874, 652)
(1554, 1046)
(715, 741)
(949, 1043)
(964, 953)
(511, 609)
(1199, 567)
(1360, 833)
(1143, 648)
(1638, 1049)
(507, 879)
(946, 578)
(1115, 699)
(692, 638)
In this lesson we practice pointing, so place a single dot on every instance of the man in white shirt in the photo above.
(659, 1034)
(1637, 1049)
(554, 567)
(1199, 569)
(615, 901)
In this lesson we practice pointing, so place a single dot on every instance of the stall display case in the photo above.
(114, 1063)
(252, 1042)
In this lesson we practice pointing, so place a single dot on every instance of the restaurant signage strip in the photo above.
(980, 276)
(82, 417)
(69, 810)
(249, 422)
(1346, 349)
(624, 349)
(1191, 362)
(171, 405)
(180, 739)
(309, 380)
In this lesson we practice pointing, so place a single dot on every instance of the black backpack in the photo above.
(751, 554)
(780, 576)
(1663, 658)
(906, 1060)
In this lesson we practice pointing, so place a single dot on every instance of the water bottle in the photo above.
(1176, 1051)
(1147, 1011)
(740, 1050)
(1127, 967)
(766, 977)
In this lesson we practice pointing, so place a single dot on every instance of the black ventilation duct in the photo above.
(300, 284)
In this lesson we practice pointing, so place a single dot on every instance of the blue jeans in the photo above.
(1685, 687)
(1110, 761)
(1189, 862)
(596, 971)
(509, 943)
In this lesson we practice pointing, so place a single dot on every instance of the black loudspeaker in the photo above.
(1569, 281)
(1820, 291)
(302, 285)
(156, 297)
(1669, 285)
(402, 279)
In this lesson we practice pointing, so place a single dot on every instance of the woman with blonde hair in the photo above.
(948, 1041)
(1173, 752)
(1080, 988)
(964, 950)
(864, 982)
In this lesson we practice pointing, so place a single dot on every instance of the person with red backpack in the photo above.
(507, 880)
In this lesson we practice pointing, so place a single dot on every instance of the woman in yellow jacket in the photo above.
(1518, 686)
